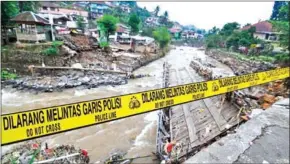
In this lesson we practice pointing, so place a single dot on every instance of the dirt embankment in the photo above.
(76, 50)
(262, 96)
(239, 66)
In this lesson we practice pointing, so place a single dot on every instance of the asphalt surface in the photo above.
(262, 139)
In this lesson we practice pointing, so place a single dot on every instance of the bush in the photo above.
(213, 41)
(57, 43)
(282, 57)
(104, 44)
(51, 51)
(5, 75)
(162, 36)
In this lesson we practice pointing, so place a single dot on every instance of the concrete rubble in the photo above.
(264, 138)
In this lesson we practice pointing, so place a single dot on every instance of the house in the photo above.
(188, 34)
(125, 7)
(58, 13)
(97, 8)
(175, 32)
(264, 31)
(152, 21)
(32, 27)
(122, 34)
(53, 8)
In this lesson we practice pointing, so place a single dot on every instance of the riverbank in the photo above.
(115, 64)
(134, 135)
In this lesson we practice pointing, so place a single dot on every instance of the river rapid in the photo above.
(134, 135)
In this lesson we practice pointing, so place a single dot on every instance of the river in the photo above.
(134, 135)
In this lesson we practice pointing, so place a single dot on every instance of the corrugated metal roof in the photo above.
(29, 17)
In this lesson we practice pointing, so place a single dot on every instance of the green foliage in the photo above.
(213, 41)
(28, 5)
(165, 14)
(147, 31)
(6, 75)
(53, 50)
(108, 24)
(134, 22)
(57, 43)
(237, 39)
(214, 30)
(80, 22)
(283, 27)
(228, 28)
(282, 57)
(157, 9)
(162, 36)
(280, 11)
(9, 9)
(104, 44)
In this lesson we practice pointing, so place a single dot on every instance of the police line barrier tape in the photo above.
(36, 123)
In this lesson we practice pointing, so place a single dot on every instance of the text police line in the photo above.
(36, 123)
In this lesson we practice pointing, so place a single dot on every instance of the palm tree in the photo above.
(157, 9)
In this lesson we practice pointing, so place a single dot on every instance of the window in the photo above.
(44, 8)
(52, 9)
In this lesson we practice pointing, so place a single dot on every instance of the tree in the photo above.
(213, 41)
(214, 30)
(228, 28)
(134, 23)
(165, 14)
(162, 36)
(248, 24)
(243, 38)
(164, 18)
(81, 23)
(157, 9)
(28, 6)
(148, 31)
(283, 27)
(280, 22)
(9, 9)
(277, 14)
(108, 24)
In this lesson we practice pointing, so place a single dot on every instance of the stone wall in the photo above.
(21, 59)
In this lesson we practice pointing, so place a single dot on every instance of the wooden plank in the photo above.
(190, 123)
(215, 114)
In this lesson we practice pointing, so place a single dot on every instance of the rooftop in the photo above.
(263, 26)
(28, 17)
(49, 4)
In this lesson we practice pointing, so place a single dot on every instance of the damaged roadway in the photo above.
(263, 139)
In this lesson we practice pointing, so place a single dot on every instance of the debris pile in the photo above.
(37, 152)
(69, 79)
(239, 66)
(77, 42)
(250, 98)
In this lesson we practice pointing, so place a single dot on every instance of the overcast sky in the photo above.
(208, 14)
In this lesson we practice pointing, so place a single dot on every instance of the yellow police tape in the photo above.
(31, 124)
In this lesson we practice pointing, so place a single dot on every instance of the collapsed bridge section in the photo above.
(194, 124)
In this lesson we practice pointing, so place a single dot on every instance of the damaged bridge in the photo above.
(192, 125)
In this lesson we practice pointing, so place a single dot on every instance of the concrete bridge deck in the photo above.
(196, 123)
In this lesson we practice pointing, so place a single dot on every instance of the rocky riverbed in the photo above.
(69, 79)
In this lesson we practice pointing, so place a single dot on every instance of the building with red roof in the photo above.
(264, 31)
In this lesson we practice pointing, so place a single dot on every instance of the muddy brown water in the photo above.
(133, 135)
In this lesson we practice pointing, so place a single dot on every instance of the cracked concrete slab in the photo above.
(239, 147)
